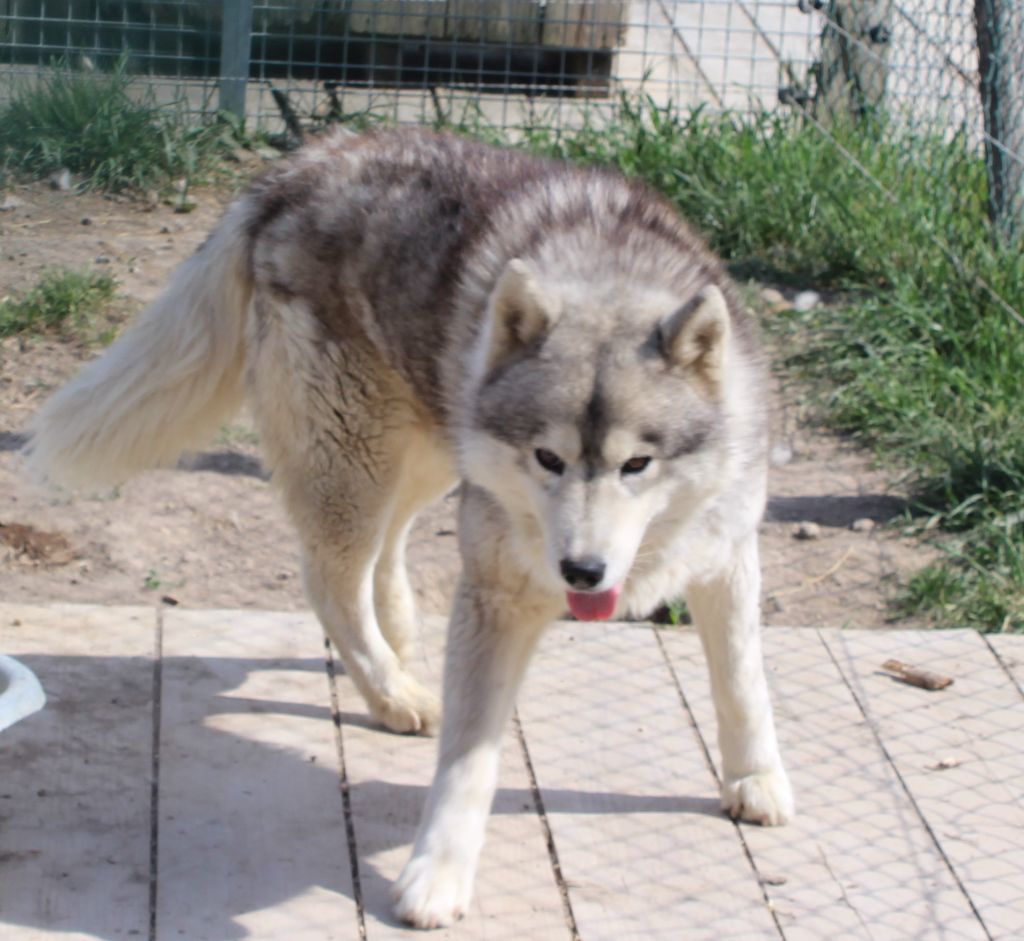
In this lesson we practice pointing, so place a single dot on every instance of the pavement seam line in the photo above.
(1006, 667)
(549, 837)
(154, 784)
(709, 760)
(344, 788)
(906, 789)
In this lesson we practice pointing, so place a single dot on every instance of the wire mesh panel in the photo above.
(424, 59)
(433, 59)
(170, 43)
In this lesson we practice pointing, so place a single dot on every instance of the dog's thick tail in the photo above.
(165, 385)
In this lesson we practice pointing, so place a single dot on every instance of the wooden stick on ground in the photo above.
(916, 676)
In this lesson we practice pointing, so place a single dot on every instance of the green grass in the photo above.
(919, 359)
(63, 301)
(109, 136)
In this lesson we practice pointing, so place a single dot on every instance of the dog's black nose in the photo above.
(582, 573)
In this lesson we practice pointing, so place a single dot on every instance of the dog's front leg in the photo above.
(489, 646)
(726, 610)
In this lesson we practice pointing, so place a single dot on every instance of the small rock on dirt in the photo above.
(61, 180)
(806, 300)
(775, 301)
(9, 203)
(807, 530)
(863, 525)
(781, 454)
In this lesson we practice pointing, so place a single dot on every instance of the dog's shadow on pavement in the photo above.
(377, 837)
(224, 830)
(12, 440)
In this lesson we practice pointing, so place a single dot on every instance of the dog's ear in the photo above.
(520, 311)
(694, 336)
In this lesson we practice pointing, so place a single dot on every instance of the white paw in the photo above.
(764, 798)
(430, 894)
(407, 706)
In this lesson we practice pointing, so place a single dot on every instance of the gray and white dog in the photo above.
(407, 310)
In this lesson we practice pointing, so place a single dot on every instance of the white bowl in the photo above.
(20, 692)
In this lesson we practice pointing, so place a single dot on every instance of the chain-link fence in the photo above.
(938, 69)
(411, 58)
(941, 66)
(406, 56)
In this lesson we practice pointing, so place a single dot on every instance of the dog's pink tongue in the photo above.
(593, 605)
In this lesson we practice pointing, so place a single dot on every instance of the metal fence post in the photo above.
(854, 60)
(1000, 26)
(236, 38)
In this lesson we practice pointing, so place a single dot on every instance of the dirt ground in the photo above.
(212, 533)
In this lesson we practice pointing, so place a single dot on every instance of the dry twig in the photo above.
(916, 676)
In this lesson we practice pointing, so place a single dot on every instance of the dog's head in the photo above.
(599, 410)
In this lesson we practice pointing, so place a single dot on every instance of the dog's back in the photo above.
(400, 236)
(373, 234)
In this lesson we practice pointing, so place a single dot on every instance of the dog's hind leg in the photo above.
(427, 472)
(725, 609)
(335, 423)
(339, 581)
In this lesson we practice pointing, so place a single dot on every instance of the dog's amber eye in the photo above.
(635, 465)
(549, 461)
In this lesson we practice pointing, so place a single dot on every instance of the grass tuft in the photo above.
(103, 130)
(63, 301)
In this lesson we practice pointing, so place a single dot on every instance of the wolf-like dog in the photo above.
(408, 310)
